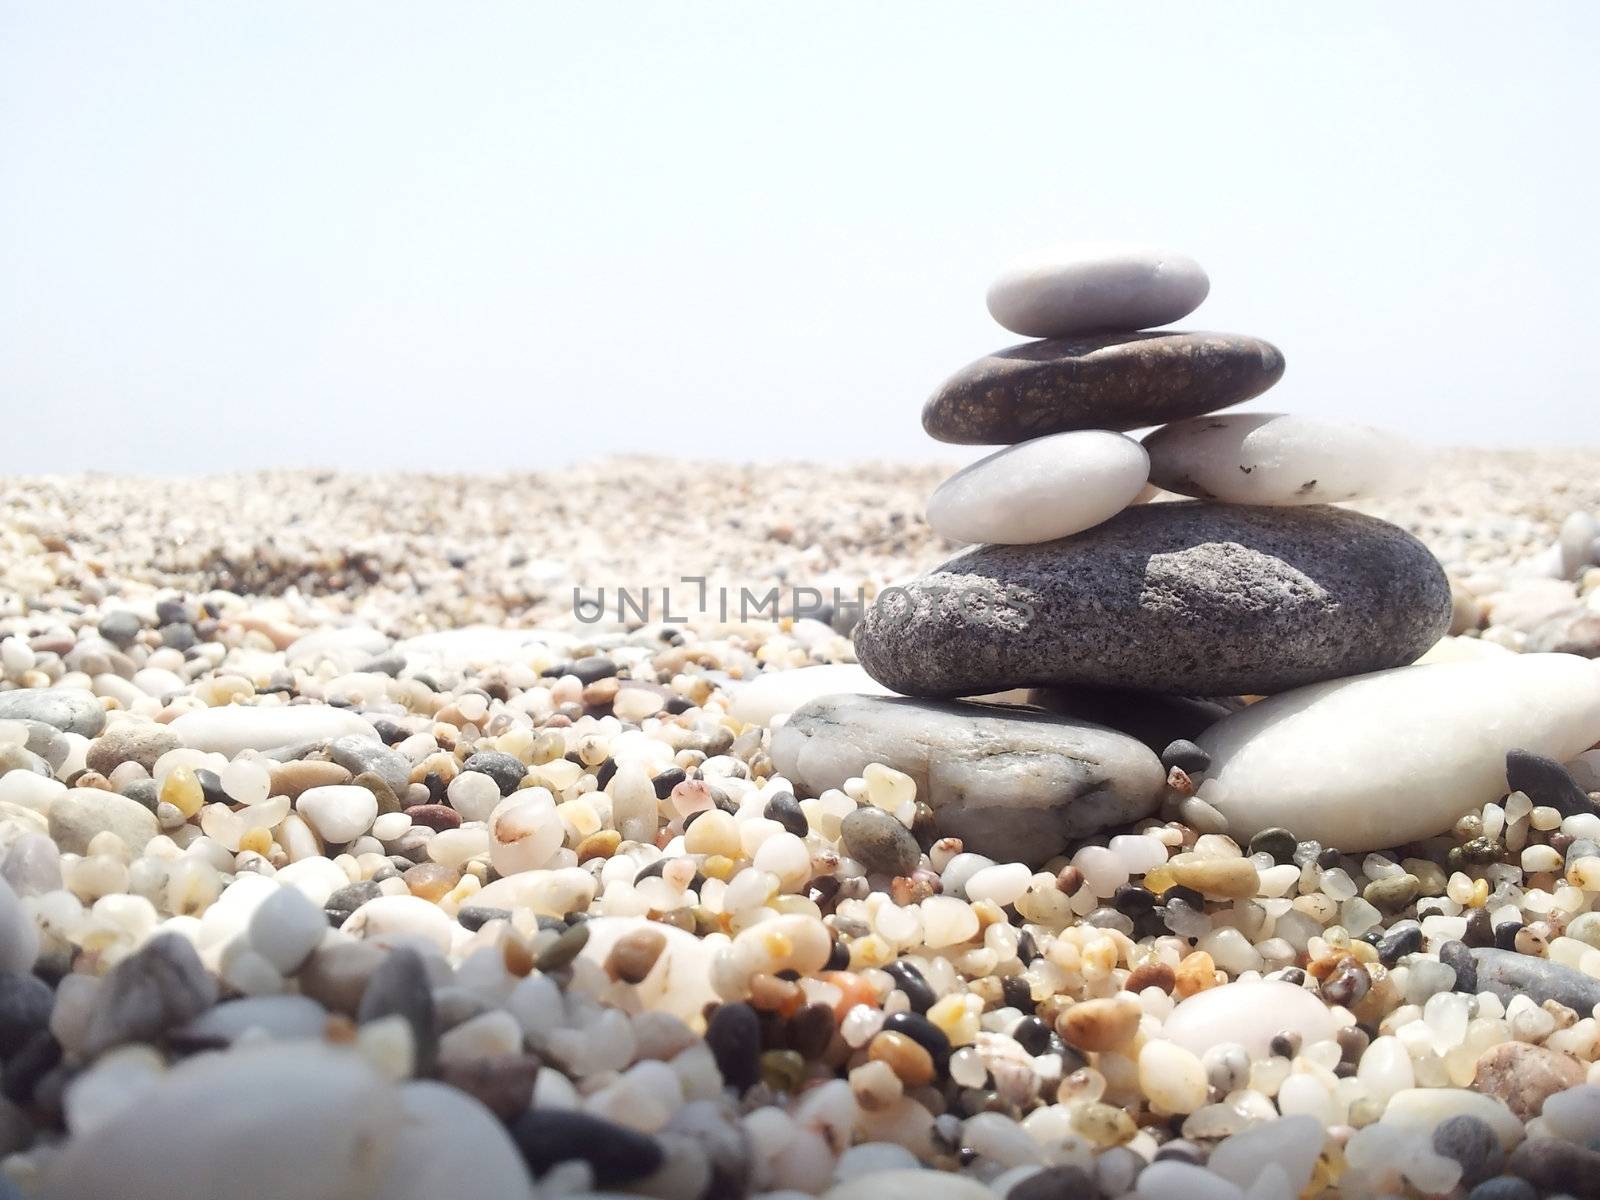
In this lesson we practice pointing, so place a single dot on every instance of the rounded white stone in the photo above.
(1279, 459)
(339, 812)
(773, 692)
(1308, 759)
(304, 1120)
(1424, 1108)
(1249, 1013)
(444, 1138)
(1041, 490)
(19, 936)
(235, 727)
(286, 928)
(1081, 287)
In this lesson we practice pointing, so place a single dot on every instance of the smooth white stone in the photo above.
(1292, 1144)
(1249, 1013)
(1331, 761)
(276, 1016)
(445, 1139)
(396, 920)
(484, 644)
(1081, 287)
(1424, 1108)
(339, 812)
(19, 936)
(1041, 490)
(1461, 649)
(1277, 458)
(918, 1184)
(286, 928)
(350, 644)
(679, 983)
(772, 693)
(235, 727)
(1169, 1180)
(303, 1120)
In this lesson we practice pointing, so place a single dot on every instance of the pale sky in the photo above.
(447, 236)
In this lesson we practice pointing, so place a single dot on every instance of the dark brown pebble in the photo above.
(437, 817)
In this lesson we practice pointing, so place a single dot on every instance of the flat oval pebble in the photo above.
(1040, 490)
(1509, 974)
(1087, 286)
(1012, 784)
(1187, 598)
(330, 1107)
(71, 710)
(1328, 761)
(1277, 458)
(235, 727)
(1104, 381)
(773, 692)
(1250, 1014)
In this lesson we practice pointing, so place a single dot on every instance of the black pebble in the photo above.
(1456, 954)
(910, 981)
(35, 1059)
(1472, 1143)
(169, 612)
(1033, 1035)
(1186, 756)
(593, 668)
(1131, 900)
(1328, 858)
(1185, 895)
(211, 787)
(400, 987)
(1055, 1183)
(667, 780)
(604, 772)
(1279, 843)
(1180, 1150)
(923, 1032)
(785, 810)
(1545, 781)
(617, 1154)
(678, 705)
(734, 1035)
(505, 769)
(1504, 1187)
(25, 1004)
(350, 897)
(1505, 934)
(1479, 931)
(1403, 939)
(838, 956)
(474, 917)
(1016, 993)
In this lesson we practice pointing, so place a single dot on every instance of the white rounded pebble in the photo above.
(1386, 1069)
(19, 936)
(1169, 1180)
(1001, 884)
(1574, 1114)
(1171, 1077)
(1291, 1143)
(235, 727)
(285, 928)
(917, 1184)
(1250, 1013)
(1442, 733)
(328, 1105)
(1423, 1108)
(473, 794)
(444, 1137)
(339, 812)
(1277, 459)
(946, 921)
(680, 981)
(1040, 490)
(281, 1017)
(395, 920)
(772, 693)
(1083, 287)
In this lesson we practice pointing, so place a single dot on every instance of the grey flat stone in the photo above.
(1103, 381)
(1191, 599)
(71, 710)
(1507, 973)
(83, 812)
(1013, 784)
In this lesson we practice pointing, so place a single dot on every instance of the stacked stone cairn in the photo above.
(1147, 633)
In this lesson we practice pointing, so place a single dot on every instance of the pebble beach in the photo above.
(346, 852)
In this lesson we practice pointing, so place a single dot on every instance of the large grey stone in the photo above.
(1013, 784)
(1507, 973)
(1189, 599)
(1101, 381)
(83, 812)
(71, 710)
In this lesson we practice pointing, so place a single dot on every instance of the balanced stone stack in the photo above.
(1255, 587)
